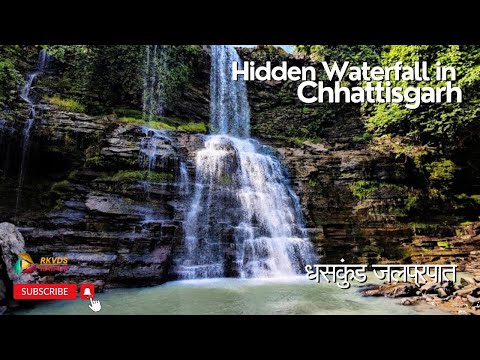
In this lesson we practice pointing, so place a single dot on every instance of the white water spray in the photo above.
(244, 219)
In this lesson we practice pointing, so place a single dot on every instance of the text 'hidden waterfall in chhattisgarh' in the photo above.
(244, 220)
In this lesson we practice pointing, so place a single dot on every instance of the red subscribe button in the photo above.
(44, 291)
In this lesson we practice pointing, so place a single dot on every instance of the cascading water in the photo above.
(152, 108)
(229, 109)
(151, 142)
(2, 126)
(153, 91)
(25, 94)
(154, 141)
(184, 183)
(155, 154)
(244, 219)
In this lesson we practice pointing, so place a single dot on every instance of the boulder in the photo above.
(465, 281)
(475, 302)
(467, 290)
(409, 301)
(403, 289)
(430, 288)
(457, 287)
(11, 244)
(447, 284)
(441, 293)
(393, 290)
(368, 287)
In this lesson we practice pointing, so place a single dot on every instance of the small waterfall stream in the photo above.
(153, 107)
(153, 91)
(155, 147)
(29, 98)
(184, 181)
(244, 219)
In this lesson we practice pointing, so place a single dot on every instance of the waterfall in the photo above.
(244, 219)
(184, 184)
(229, 109)
(2, 126)
(153, 107)
(29, 98)
(153, 91)
(149, 144)
(155, 153)
(156, 143)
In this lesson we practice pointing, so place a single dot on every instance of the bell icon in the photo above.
(87, 291)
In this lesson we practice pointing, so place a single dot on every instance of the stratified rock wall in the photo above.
(87, 197)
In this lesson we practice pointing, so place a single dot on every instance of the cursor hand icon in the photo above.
(95, 305)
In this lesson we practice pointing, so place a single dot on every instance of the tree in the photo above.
(446, 125)
(355, 54)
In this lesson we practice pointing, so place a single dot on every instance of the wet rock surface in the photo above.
(446, 296)
(89, 197)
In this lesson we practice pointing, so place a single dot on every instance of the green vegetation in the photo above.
(362, 189)
(441, 175)
(128, 113)
(355, 54)
(141, 175)
(152, 124)
(92, 155)
(445, 245)
(104, 77)
(441, 170)
(411, 202)
(179, 63)
(9, 79)
(442, 124)
(14, 62)
(67, 104)
(401, 148)
(189, 127)
(366, 136)
(307, 110)
(60, 187)
(407, 199)
(135, 117)
(476, 198)
(193, 127)
(99, 76)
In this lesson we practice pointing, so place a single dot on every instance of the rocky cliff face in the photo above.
(87, 197)
(373, 229)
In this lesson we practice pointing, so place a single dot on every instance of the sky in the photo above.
(287, 48)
